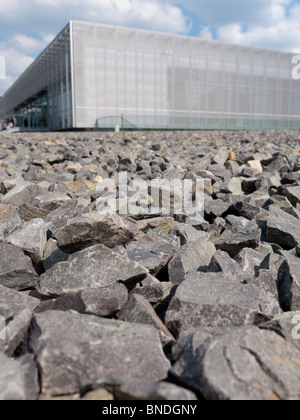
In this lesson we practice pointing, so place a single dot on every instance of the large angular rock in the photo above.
(211, 301)
(60, 217)
(222, 263)
(283, 229)
(24, 193)
(242, 364)
(138, 310)
(233, 244)
(293, 194)
(189, 259)
(232, 186)
(287, 326)
(32, 238)
(73, 351)
(18, 379)
(51, 200)
(289, 285)
(16, 269)
(153, 252)
(250, 261)
(94, 228)
(104, 302)
(92, 268)
(266, 283)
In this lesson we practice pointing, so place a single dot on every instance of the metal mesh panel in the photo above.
(156, 81)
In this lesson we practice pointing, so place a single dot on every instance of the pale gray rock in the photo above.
(32, 238)
(24, 193)
(189, 259)
(18, 379)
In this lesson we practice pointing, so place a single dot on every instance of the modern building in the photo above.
(99, 76)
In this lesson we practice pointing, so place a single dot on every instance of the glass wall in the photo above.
(153, 80)
(42, 97)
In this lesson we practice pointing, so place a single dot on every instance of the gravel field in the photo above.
(155, 304)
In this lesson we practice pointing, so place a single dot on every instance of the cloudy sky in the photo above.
(26, 27)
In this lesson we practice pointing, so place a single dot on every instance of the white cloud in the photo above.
(283, 32)
(206, 33)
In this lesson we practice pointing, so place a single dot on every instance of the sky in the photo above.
(28, 26)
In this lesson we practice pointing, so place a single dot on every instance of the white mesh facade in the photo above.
(98, 76)
(42, 97)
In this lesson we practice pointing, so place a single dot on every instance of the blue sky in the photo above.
(26, 27)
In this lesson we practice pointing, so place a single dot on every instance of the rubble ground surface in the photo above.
(109, 291)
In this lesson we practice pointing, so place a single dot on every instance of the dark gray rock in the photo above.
(104, 302)
(94, 228)
(154, 293)
(138, 310)
(189, 259)
(266, 283)
(287, 326)
(216, 208)
(153, 252)
(222, 263)
(13, 329)
(59, 218)
(255, 365)
(18, 379)
(293, 194)
(211, 301)
(53, 255)
(250, 212)
(73, 351)
(289, 285)
(32, 238)
(15, 317)
(24, 193)
(16, 269)
(283, 229)
(187, 233)
(280, 164)
(50, 200)
(234, 244)
(91, 268)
